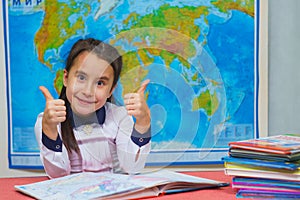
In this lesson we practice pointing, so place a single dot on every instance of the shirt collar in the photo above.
(96, 117)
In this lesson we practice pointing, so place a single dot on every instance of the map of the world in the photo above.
(200, 57)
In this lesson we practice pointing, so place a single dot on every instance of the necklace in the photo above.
(87, 129)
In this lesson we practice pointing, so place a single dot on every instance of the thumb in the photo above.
(143, 86)
(46, 93)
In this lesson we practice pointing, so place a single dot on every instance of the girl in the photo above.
(83, 131)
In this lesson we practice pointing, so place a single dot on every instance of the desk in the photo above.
(7, 190)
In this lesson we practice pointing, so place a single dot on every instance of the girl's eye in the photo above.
(100, 83)
(81, 77)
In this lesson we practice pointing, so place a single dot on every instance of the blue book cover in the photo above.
(292, 166)
(250, 193)
(261, 183)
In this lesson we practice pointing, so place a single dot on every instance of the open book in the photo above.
(89, 185)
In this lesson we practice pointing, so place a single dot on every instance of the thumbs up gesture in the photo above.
(54, 113)
(136, 106)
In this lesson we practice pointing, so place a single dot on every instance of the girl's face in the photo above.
(88, 83)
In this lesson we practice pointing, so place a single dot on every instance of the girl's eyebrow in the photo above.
(80, 72)
(101, 77)
(104, 78)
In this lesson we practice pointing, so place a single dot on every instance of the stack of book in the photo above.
(266, 167)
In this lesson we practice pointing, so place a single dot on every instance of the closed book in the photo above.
(261, 173)
(260, 163)
(265, 184)
(253, 154)
(279, 144)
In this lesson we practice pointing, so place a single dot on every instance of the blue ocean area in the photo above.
(26, 75)
(237, 64)
(26, 72)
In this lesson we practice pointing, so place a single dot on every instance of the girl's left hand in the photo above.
(136, 106)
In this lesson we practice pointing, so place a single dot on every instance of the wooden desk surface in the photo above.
(7, 190)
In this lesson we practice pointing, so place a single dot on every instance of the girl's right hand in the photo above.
(54, 113)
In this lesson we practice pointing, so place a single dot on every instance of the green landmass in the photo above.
(58, 83)
(182, 23)
(208, 102)
(246, 6)
(56, 28)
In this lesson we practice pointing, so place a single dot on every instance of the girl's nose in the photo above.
(89, 89)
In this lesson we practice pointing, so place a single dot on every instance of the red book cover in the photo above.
(280, 144)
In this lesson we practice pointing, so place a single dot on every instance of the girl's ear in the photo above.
(65, 78)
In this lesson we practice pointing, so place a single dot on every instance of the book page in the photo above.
(86, 185)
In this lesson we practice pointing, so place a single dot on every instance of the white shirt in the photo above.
(106, 147)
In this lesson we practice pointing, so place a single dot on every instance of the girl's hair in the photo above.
(101, 50)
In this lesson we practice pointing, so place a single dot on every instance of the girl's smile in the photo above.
(85, 102)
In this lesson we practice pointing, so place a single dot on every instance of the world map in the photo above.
(198, 54)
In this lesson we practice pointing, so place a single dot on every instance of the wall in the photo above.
(284, 68)
(280, 94)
